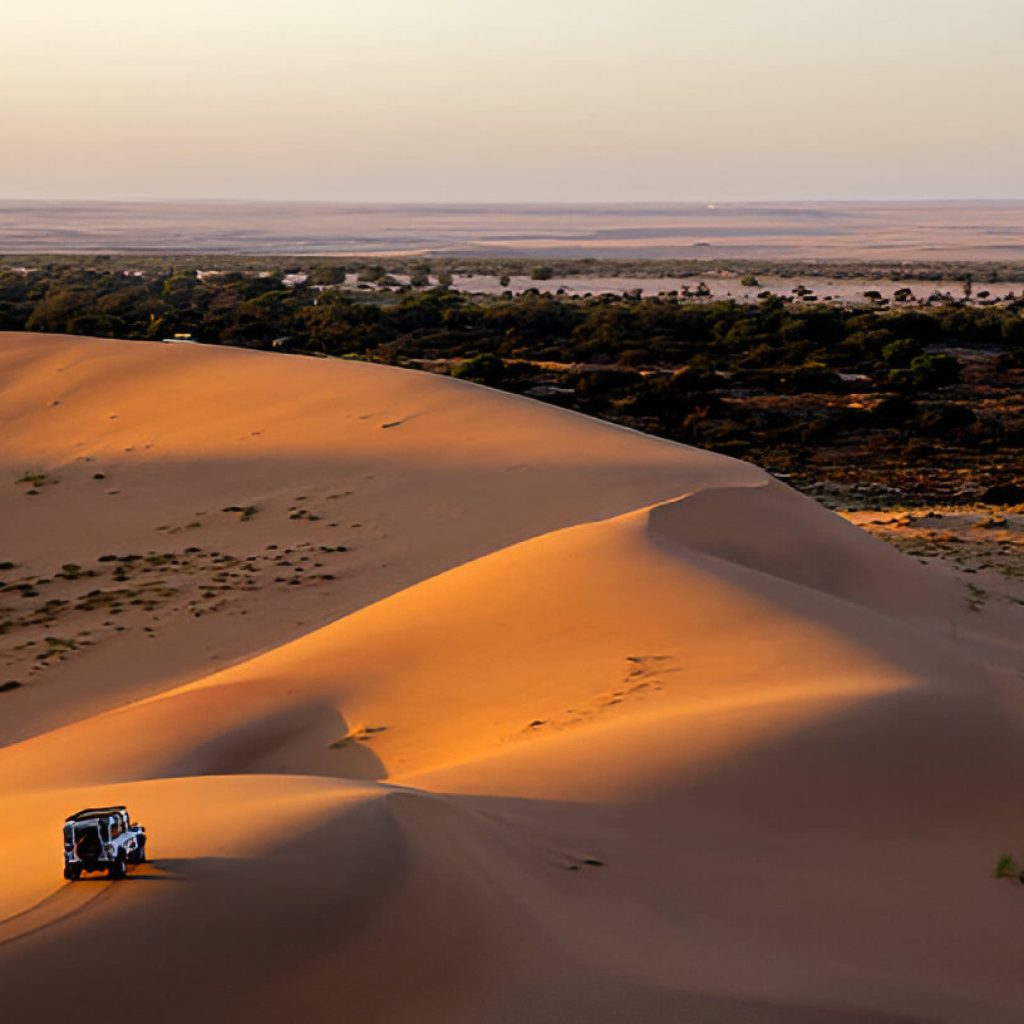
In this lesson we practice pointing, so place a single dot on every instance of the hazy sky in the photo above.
(529, 100)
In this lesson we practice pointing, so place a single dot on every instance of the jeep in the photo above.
(102, 839)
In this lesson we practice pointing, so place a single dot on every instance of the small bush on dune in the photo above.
(35, 479)
(1007, 867)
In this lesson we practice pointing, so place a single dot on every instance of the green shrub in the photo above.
(1007, 867)
(926, 373)
(485, 368)
(935, 371)
(419, 277)
(900, 354)
(814, 377)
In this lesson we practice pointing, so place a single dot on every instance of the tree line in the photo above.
(769, 380)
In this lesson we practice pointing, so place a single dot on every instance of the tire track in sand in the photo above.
(68, 901)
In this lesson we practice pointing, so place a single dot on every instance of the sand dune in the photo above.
(587, 726)
(408, 474)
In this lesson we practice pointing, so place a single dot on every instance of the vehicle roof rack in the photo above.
(96, 812)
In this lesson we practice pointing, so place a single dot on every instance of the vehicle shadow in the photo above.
(163, 869)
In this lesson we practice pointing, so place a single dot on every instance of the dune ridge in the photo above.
(596, 727)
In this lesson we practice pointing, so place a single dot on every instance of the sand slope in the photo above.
(625, 732)
(407, 474)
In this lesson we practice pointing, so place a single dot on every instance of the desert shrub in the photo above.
(818, 326)
(419, 277)
(485, 368)
(926, 373)
(542, 273)
(596, 385)
(327, 273)
(814, 377)
(745, 335)
(901, 353)
(693, 379)
(1007, 867)
(1013, 332)
(935, 371)
(973, 328)
(914, 325)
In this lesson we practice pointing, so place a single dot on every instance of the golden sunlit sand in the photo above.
(441, 705)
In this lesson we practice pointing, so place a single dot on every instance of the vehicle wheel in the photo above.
(117, 868)
(142, 851)
(71, 873)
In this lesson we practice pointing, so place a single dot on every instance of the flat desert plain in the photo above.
(442, 705)
(893, 231)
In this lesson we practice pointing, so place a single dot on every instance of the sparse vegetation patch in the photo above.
(245, 512)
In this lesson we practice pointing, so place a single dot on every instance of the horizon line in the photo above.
(706, 203)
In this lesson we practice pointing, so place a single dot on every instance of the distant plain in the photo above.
(961, 230)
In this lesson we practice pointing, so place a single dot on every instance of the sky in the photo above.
(534, 100)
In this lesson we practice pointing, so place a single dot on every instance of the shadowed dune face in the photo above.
(587, 726)
(795, 542)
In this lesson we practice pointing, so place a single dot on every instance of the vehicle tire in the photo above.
(72, 873)
(142, 850)
(117, 868)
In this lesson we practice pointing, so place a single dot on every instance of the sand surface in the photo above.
(441, 705)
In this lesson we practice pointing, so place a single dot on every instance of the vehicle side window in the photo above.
(115, 828)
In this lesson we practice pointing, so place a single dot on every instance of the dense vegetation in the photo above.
(928, 396)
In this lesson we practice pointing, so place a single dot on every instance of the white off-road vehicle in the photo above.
(102, 839)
